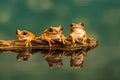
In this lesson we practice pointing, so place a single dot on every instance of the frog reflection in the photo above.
(77, 59)
(25, 55)
(54, 58)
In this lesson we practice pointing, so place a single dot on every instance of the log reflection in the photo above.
(54, 57)
(24, 55)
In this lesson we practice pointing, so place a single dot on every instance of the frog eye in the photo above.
(50, 29)
(71, 25)
(16, 31)
(61, 28)
(24, 33)
(82, 24)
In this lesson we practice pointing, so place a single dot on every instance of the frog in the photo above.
(78, 33)
(53, 33)
(26, 35)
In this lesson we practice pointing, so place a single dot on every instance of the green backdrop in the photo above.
(101, 19)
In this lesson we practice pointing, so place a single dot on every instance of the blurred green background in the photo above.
(101, 19)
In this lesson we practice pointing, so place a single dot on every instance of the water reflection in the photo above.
(53, 57)
(77, 58)
(24, 55)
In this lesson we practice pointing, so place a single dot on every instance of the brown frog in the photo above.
(78, 33)
(25, 35)
(53, 33)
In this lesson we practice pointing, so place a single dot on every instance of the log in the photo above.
(39, 44)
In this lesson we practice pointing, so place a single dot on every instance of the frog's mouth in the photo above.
(78, 30)
(22, 37)
(77, 27)
(55, 36)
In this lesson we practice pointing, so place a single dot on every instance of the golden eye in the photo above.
(61, 28)
(24, 33)
(71, 25)
(50, 29)
(82, 24)
(16, 31)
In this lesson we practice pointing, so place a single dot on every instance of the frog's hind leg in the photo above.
(26, 43)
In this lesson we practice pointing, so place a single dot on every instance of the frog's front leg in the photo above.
(72, 37)
(84, 41)
(49, 40)
(28, 43)
(63, 40)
